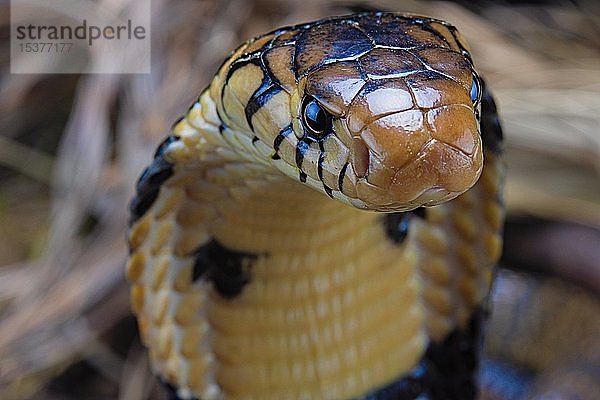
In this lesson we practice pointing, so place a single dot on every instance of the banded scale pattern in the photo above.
(249, 283)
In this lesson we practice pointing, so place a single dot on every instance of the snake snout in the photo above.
(417, 157)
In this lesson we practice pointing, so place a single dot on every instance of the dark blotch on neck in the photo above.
(397, 224)
(228, 270)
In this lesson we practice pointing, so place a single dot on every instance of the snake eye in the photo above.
(475, 90)
(315, 119)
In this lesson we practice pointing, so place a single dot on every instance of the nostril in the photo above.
(360, 155)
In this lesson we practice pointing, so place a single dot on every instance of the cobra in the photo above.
(324, 220)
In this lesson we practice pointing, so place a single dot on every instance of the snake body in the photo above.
(324, 220)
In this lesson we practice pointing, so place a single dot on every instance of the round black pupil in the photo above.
(315, 117)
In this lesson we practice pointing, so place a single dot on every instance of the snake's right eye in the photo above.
(316, 120)
(475, 90)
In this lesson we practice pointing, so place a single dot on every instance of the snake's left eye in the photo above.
(316, 120)
(475, 90)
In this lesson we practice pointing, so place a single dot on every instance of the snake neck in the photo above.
(278, 215)
(303, 287)
(261, 285)
(328, 303)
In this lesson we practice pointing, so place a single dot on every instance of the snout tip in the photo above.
(433, 160)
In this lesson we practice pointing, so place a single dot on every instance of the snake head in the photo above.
(384, 109)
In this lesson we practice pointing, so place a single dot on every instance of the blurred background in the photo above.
(72, 146)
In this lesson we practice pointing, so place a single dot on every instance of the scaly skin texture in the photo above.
(258, 267)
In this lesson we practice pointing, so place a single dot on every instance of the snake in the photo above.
(325, 219)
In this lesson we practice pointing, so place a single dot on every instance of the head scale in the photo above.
(379, 110)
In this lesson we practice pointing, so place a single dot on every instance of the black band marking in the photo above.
(327, 189)
(288, 130)
(160, 150)
(285, 132)
(320, 162)
(228, 270)
(341, 177)
(301, 149)
(252, 58)
(150, 181)
(260, 98)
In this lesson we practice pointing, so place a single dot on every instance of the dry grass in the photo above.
(72, 146)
